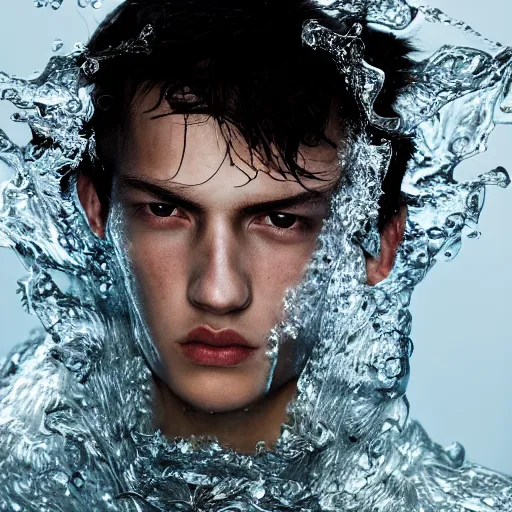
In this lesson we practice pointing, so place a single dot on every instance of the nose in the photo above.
(218, 283)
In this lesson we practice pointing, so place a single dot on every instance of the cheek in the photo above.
(276, 269)
(160, 266)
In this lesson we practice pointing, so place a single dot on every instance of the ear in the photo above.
(91, 204)
(377, 269)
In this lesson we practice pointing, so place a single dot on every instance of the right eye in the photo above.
(162, 209)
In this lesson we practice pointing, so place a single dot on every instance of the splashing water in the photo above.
(83, 439)
(55, 4)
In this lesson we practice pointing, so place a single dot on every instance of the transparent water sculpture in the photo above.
(75, 403)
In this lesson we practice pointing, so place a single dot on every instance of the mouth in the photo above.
(207, 347)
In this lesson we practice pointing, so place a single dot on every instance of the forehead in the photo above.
(162, 146)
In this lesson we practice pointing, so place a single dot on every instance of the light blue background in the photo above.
(461, 379)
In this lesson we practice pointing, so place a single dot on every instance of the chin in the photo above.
(217, 391)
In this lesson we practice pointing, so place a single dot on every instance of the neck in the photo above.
(240, 430)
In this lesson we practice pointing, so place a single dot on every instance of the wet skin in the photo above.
(211, 249)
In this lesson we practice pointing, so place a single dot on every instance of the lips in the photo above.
(207, 347)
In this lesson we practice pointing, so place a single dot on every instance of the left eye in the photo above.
(281, 220)
(162, 209)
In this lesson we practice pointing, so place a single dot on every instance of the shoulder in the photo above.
(44, 467)
(443, 476)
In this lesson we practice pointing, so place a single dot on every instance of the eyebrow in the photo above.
(308, 197)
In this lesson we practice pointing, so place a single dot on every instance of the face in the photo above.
(214, 253)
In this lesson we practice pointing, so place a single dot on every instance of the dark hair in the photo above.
(243, 63)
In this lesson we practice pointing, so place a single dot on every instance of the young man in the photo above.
(219, 141)
(222, 152)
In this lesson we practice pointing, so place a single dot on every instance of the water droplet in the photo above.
(9, 94)
(77, 480)
(73, 106)
(19, 117)
(96, 4)
(475, 202)
(261, 447)
(90, 67)
(257, 490)
(452, 250)
(355, 485)
(436, 233)
(454, 221)
(456, 453)
(498, 177)
(460, 145)
(422, 259)
(393, 368)
(506, 107)
(410, 347)
(57, 45)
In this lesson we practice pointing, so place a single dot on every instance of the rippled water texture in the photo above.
(76, 409)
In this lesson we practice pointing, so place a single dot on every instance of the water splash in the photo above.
(435, 15)
(56, 4)
(76, 403)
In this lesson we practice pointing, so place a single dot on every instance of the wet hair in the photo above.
(244, 64)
